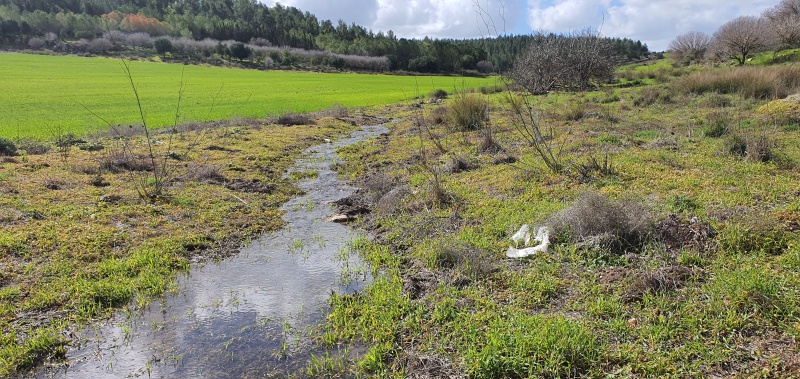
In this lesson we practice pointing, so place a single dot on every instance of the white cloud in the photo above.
(655, 22)
(417, 18)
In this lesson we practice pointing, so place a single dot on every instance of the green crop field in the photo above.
(44, 94)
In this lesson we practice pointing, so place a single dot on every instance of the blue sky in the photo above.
(654, 22)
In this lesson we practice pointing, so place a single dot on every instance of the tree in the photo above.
(239, 51)
(784, 21)
(690, 47)
(162, 46)
(741, 37)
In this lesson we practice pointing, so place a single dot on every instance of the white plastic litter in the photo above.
(542, 236)
(524, 233)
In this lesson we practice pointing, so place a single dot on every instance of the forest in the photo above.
(278, 26)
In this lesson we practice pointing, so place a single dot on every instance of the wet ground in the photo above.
(248, 315)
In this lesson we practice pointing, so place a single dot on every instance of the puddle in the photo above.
(249, 315)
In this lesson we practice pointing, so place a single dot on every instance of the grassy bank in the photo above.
(46, 95)
(77, 239)
(674, 247)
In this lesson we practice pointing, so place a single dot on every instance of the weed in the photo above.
(534, 346)
(682, 203)
(717, 124)
(468, 111)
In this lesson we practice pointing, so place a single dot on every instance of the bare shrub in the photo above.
(290, 119)
(649, 96)
(99, 45)
(142, 40)
(439, 94)
(468, 112)
(527, 122)
(115, 36)
(335, 110)
(117, 161)
(485, 67)
(487, 144)
(33, 147)
(258, 41)
(572, 60)
(458, 164)
(690, 47)
(36, 43)
(595, 221)
(662, 280)
(204, 173)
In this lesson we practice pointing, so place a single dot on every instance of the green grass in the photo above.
(557, 314)
(44, 93)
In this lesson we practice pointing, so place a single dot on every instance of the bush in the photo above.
(33, 147)
(468, 112)
(7, 148)
(717, 124)
(36, 43)
(290, 119)
(594, 220)
(162, 46)
(439, 94)
(99, 45)
(650, 96)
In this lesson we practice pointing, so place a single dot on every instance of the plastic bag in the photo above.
(524, 234)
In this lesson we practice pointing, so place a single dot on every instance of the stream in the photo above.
(246, 316)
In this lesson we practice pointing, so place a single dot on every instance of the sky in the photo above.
(654, 22)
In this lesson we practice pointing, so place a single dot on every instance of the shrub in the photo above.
(290, 119)
(648, 96)
(439, 94)
(99, 45)
(594, 220)
(33, 147)
(36, 43)
(162, 46)
(7, 148)
(468, 112)
(717, 124)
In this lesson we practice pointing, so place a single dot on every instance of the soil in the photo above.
(676, 234)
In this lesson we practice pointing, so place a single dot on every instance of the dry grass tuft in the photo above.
(750, 82)
(595, 221)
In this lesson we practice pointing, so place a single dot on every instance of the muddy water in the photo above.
(249, 315)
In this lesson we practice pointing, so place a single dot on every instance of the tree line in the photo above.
(280, 26)
(777, 28)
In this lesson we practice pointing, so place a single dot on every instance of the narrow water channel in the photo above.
(245, 317)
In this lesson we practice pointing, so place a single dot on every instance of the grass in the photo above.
(43, 93)
(707, 286)
(74, 248)
(448, 302)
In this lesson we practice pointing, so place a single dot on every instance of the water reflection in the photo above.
(247, 316)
